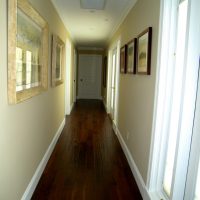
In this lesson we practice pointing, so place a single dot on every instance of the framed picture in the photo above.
(58, 55)
(27, 51)
(105, 72)
(123, 59)
(131, 56)
(144, 52)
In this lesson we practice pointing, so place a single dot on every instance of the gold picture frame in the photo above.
(28, 39)
(58, 61)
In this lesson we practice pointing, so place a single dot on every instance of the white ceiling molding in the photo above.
(63, 21)
(91, 48)
(92, 4)
(122, 18)
(92, 27)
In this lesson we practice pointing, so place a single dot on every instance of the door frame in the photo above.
(68, 63)
(75, 77)
(113, 87)
(116, 46)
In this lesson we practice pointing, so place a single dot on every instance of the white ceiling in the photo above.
(92, 28)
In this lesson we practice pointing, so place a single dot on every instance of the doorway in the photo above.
(68, 105)
(113, 84)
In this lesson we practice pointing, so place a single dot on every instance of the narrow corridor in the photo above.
(88, 162)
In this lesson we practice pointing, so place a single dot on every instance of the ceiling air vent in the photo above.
(93, 4)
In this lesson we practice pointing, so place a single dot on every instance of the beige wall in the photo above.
(26, 129)
(136, 92)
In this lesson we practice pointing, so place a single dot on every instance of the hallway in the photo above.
(88, 162)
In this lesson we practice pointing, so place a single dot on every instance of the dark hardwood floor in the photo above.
(87, 162)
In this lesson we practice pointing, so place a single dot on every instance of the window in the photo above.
(174, 165)
(176, 97)
(197, 190)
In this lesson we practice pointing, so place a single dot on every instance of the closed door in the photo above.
(89, 76)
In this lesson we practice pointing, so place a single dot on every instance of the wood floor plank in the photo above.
(87, 162)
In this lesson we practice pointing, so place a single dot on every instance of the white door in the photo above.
(113, 84)
(89, 76)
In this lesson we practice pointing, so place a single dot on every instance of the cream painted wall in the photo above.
(26, 129)
(136, 92)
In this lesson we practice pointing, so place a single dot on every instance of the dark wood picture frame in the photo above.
(131, 55)
(144, 42)
(123, 59)
(105, 72)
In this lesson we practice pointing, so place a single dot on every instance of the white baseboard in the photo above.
(133, 166)
(71, 107)
(105, 106)
(36, 177)
(90, 97)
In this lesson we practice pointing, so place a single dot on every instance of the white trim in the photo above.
(90, 48)
(74, 82)
(105, 106)
(155, 143)
(192, 97)
(188, 93)
(117, 81)
(133, 166)
(68, 64)
(109, 75)
(128, 8)
(114, 47)
(89, 97)
(162, 104)
(36, 177)
(115, 128)
(63, 21)
(71, 107)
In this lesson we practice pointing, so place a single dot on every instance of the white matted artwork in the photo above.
(144, 52)
(27, 52)
(123, 59)
(131, 56)
(58, 60)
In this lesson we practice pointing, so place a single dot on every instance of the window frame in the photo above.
(163, 104)
(181, 188)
